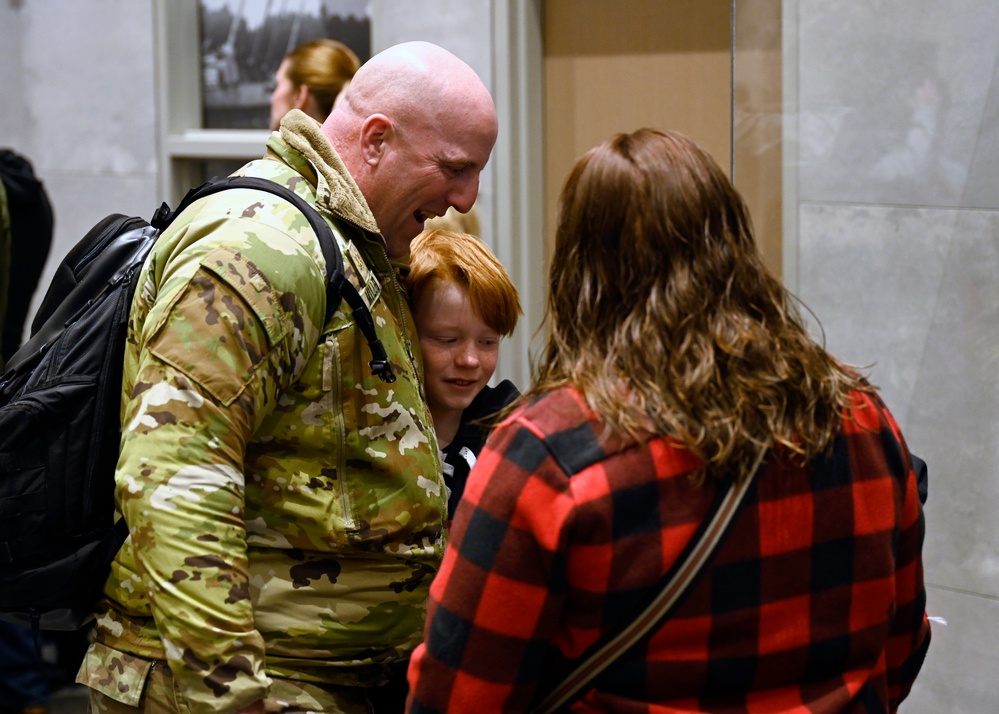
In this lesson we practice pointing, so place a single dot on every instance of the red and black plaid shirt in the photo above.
(813, 603)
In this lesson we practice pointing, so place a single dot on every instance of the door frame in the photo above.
(518, 174)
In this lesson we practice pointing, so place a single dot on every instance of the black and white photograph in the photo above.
(243, 42)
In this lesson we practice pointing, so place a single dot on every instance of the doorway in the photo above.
(700, 67)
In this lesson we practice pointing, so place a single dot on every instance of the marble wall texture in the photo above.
(895, 144)
(897, 157)
(79, 103)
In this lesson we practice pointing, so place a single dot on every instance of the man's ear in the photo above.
(376, 132)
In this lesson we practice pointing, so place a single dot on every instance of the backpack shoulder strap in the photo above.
(337, 286)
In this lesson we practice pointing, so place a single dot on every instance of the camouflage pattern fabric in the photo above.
(149, 687)
(285, 506)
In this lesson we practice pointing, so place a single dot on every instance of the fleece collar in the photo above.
(335, 189)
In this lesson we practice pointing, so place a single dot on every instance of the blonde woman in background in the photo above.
(310, 78)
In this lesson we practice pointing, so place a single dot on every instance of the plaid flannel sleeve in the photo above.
(909, 639)
(497, 597)
(818, 590)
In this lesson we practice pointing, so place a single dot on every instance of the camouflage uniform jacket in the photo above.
(285, 506)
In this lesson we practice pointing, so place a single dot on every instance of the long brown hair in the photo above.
(664, 316)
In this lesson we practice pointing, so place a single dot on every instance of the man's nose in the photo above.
(463, 196)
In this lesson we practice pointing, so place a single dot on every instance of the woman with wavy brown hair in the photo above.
(675, 365)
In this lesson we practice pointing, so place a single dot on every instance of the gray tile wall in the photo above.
(898, 220)
(78, 91)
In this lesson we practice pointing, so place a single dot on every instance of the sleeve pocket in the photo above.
(222, 325)
(117, 675)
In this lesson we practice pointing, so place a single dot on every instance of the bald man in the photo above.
(285, 505)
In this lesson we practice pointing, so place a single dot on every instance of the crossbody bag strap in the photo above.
(662, 605)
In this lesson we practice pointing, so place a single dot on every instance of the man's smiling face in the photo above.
(423, 171)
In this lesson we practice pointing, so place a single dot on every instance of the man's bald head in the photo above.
(415, 128)
(414, 78)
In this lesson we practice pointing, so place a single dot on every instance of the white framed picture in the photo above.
(243, 41)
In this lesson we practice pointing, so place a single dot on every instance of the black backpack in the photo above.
(59, 414)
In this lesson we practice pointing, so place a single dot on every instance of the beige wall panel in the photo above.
(613, 67)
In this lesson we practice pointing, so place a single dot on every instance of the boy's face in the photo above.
(459, 349)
